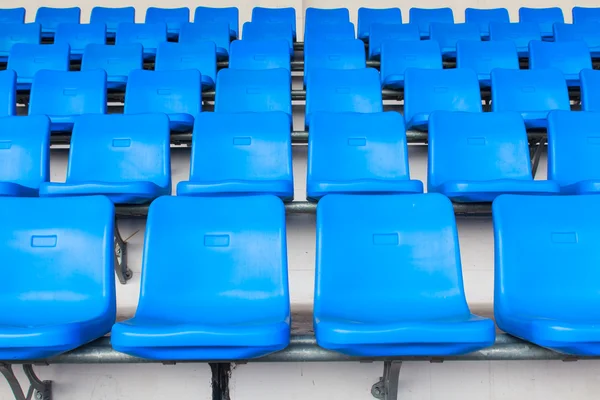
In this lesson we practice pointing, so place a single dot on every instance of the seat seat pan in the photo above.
(207, 82)
(117, 192)
(535, 119)
(116, 82)
(11, 189)
(419, 121)
(318, 189)
(590, 186)
(394, 81)
(180, 122)
(487, 191)
(280, 188)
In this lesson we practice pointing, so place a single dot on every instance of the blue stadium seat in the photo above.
(27, 59)
(447, 35)
(475, 157)
(177, 95)
(397, 57)
(568, 57)
(8, 93)
(148, 35)
(590, 97)
(356, 153)
(249, 312)
(240, 91)
(315, 17)
(62, 295)
(380, 33)
(544, 17)
(410, 301)
(112, 17)
(532, 93)
(347, 90)
(483, 17)
(423, 17)
(230, 15)
(78, 36)
(334, 54)
(12, 15)
(64, 96)
(519, 33)
(483, 57)
(117, 61)
(179, 56)
(123, 157)
(550, 296)
(587, 32)
(17, 33)
(573, 151)
(285, 15)
(173, 17)
(268, 54)
(216, 32)
(429, 90)
(255, 31)
(253, 152)
(24, 155)
(369, 16)
(49, 18)
(586, 15)
(326, 32)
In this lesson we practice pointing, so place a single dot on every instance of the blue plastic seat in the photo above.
(8, 93)
(49, 18)
(483, 17)
(78, 36)
(24, 155)
(544, 17)
(586, 15)
(429, 90)
(285, 15)
(369, 16)
(317, 17)
(12, 15)
(356, 153)
(112, 17)
(173, 17)
(550, 296)
(148, 35)
(334, 54)
(240, 91)
(180, 56)
(17, 33)
(390, 282)
(327, 32)
(176, 94)
(27, 59)
(519, 33)
(568, 57)
(216, 32)
(423, 17)
(380, 33)
(447, 35)
(62, 295)
(268, 54)
(475, 157)
(586, 32)
(590, 97)
(344, 90)
(533, 93)
(397, 57)
(252, 153)
(123, 157)
(232, 297)
(255, 31)
(65, 96)
(230, 15)
(483, 57)
(116, 60)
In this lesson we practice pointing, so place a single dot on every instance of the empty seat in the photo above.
(285, 15)
(232, 297)
(78, 36)
(173, 17)
(8, 93)
(49, 18)
(397, 57)
(230, 15)
(358, 153)
(519, 33)
(123, 157)
(316, 17)
(179, 95)
(544, 17)
(390, 282)
(27, 59)
(334, 54)
(180, 56)
(590, 97)
(268, 54)
(62, 295)
(423, 17)
(348, 90)
(483, 17)
(447, 35)
(239, 154)
(148, 35)
(586, 15)
(254, 31)
(117, 61)
(24, 155)
(474, 157)
(429, 90)
(12, 15)
(568, 57)
(17, 33)
(380, 33)
(483, 57)
(216, 32)
(532, 93)
(64, 96)
(584, 31)
(112, 17)
(369, 16)
(325, 32)
(548, 296)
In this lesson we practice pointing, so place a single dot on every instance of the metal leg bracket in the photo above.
(387, 387)
(121, 268)
(38, 389)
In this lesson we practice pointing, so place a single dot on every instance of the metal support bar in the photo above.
(535, 159)
(387, 387)
(38, 389)
(123, 272)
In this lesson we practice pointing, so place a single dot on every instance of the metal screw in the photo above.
(39, 395)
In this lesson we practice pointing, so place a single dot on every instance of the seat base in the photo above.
(582, 187)
(393, 82)
(118, 193)
(279, 188)
(207, 83)
(419, 122)
(316, 190)
(116, 82)
(10, 189)
(404, 349)
(487, 191)
(181, 122)
(199, 353)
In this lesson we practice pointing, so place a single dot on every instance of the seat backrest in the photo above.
(324, 32)
(544, 17)
(369, 16)
(262, 31)
(519, 33)
(65, 255)
(590, 97)
(315, 18)
(586, 15)
(112, 17)
(587, 32)
(229, 248)
(380, 33)
(483, 17)
(483, 57)
(568, 57)
(423, 17)
(335, 54)
(149, 35)
(116, 60)
(8, 93)
(216, 32)
(231, 15)
(77, 36)
(169, 92)
(448, 34)
(267, 54)
(179, 56)
(50, 17)
(18, 33)
(12, 15)
(285, 15)
(27, 59)
(173, 17)
(397, 57)
(25, 150)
